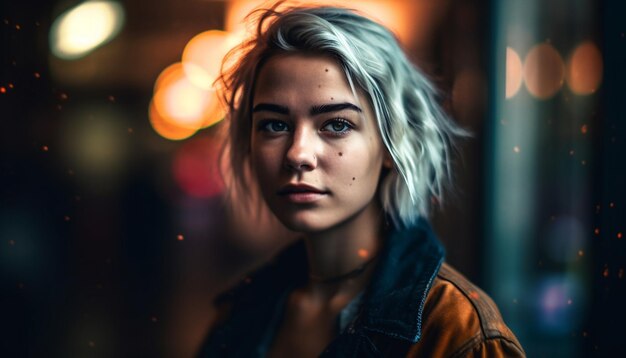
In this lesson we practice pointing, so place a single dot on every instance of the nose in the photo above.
(301, 155)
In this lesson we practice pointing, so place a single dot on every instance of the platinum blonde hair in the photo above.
(415, 130)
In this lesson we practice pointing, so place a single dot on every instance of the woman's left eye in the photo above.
(337, 126)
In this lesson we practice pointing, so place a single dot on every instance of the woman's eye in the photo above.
(337, 126)
(274, 126)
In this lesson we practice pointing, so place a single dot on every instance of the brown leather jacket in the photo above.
(414, 306)
(462, 322)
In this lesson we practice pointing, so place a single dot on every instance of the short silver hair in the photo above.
(415, 130)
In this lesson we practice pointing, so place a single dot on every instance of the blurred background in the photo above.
(113, 236)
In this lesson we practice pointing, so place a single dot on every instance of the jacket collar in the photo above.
(394, 300)
(392, 304)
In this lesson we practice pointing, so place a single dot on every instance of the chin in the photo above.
(305, 224)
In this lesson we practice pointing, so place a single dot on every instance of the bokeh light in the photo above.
(164, 128)
(584, 69)
(560, 301)
(196, 167)
(80, 30)
(178, 103)
(202, 57)
(412, 21)
(544, 71)
(95, 141)
(514, 73)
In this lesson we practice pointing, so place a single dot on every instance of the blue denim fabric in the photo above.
(390, 313)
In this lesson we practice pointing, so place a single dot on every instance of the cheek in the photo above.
(359, 166)
(264, 160)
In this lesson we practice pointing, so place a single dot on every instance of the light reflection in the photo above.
(544, 71)
(80, 30)
(584, 69)
(513, 72)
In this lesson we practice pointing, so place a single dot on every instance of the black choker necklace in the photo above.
(350, 274)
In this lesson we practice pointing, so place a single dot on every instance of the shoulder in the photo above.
(461, 320)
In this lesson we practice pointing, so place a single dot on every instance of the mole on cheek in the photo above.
(326, 70)
(332, 98)
(340, 154)
(353, 178)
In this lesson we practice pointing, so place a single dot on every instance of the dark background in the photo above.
(91, 259)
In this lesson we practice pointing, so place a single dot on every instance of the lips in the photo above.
(301, 193)
(299, 188)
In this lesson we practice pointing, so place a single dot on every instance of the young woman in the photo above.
(348, 145)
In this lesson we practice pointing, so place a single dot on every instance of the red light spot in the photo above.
(180, 237)
(63, 96)
(611, 205)
(363, 253)
(3, 89)
(474, 295)
(11, 85)
(45, 148)
(596, 231)
(196, 168)
(619, 235)
(584, 129)
(37, 75)
(18, 27)
(605, 273)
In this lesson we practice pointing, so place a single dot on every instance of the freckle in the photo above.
(340, 154)
(332, 98)
(326, 70)
(353, 178)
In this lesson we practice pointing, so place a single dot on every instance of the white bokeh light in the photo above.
(80, 30)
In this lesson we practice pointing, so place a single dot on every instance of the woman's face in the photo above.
(316, 151)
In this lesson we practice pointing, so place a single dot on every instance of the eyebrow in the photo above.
(335, 107)
(315, 110)
(270, 107)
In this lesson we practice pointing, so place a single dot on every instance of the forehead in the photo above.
(306, 74)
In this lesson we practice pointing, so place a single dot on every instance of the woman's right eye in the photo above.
(273, 126)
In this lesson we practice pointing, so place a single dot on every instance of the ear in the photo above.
(387, 160)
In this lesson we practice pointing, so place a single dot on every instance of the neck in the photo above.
(338, 257)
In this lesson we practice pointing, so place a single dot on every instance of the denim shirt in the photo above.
(389, 310)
